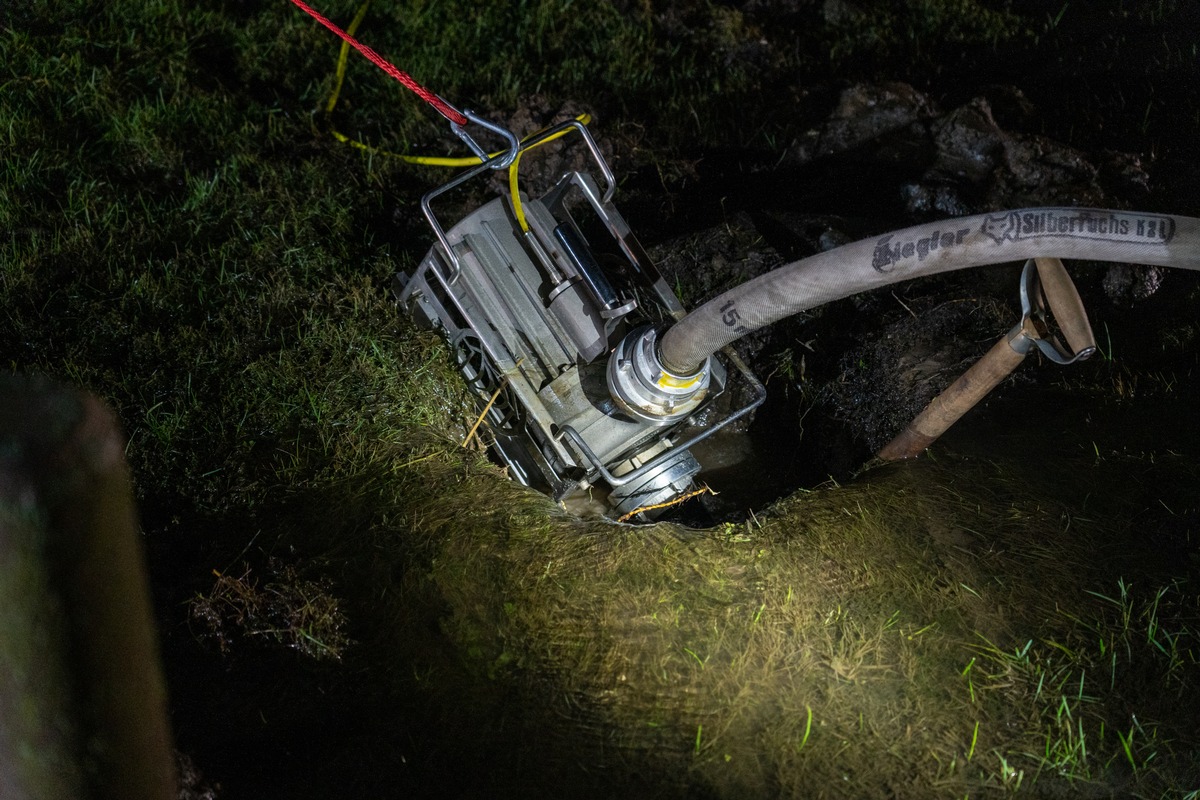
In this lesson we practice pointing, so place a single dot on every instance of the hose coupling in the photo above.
(644, 389)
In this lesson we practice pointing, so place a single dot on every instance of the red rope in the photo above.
(443, 108)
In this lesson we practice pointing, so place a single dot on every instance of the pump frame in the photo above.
(533, 316)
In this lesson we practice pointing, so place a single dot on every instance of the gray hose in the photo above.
(1066, 233)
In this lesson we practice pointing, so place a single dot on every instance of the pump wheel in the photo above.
(483, 379)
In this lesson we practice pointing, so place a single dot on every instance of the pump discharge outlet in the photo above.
(552, 305)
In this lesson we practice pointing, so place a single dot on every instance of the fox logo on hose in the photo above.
(1001, 228)
(1068, 223)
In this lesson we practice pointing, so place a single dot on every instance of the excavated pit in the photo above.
(844, 378)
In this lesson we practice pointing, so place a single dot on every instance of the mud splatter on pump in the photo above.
(553, 309)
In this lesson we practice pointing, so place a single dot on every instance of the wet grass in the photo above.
(181, 237)
(941, 628)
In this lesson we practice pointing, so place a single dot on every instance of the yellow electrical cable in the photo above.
(340, 78)
(518, 208)
(428, 161)
(515, 194)
(340, 73)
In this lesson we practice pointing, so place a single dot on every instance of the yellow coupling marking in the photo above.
(666, 381)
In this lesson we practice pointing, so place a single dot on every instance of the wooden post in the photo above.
(82, 696)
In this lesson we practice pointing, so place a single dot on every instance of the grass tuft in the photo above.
(297, 613)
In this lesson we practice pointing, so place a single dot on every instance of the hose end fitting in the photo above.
(644, 389)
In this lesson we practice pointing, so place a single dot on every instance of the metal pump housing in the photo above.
(557, 320)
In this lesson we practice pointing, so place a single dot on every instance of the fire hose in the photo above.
(953, 244)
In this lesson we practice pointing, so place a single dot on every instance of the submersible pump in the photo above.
(554, 313)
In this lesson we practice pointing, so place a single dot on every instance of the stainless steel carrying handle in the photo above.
(505, 160)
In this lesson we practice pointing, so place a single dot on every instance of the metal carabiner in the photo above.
(499, 160)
